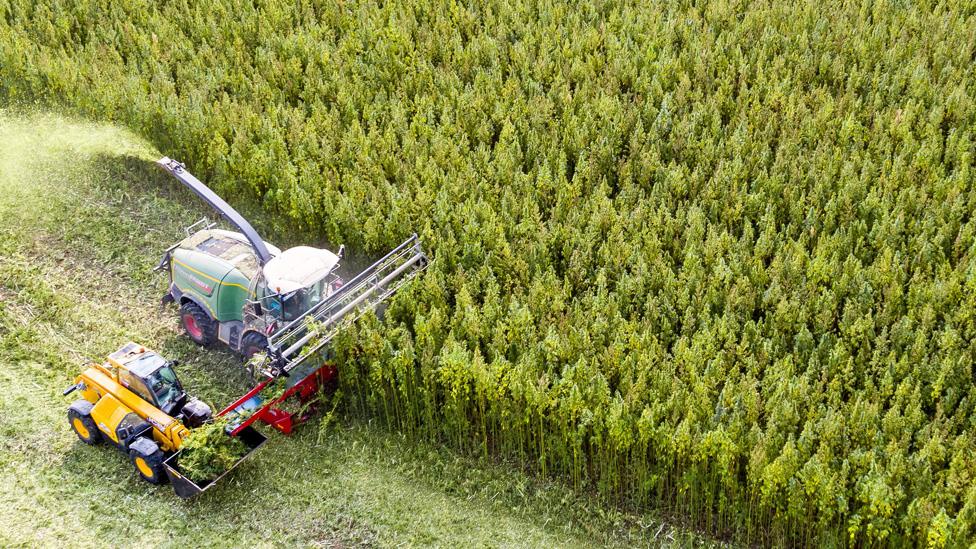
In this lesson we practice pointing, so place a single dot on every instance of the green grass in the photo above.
(83, 219)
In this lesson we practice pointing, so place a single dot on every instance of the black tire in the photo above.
(251, 344)
(79, 417)
(148, 465)
(197, 324)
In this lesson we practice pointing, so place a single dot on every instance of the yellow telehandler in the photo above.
(135, 401)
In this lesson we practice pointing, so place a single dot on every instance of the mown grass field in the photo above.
(82, 221)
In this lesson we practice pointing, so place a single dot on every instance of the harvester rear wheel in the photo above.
(198, 324)
(83, 425)
(149, 467)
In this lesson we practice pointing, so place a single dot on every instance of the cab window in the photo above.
(165, 386)
(299, 301)
(293, 305)
(135, 385)
(268, 300)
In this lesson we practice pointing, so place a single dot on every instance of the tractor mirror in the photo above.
(174, 363)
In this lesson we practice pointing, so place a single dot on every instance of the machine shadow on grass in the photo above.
(269, 223)
(215, 362)
(144, 176)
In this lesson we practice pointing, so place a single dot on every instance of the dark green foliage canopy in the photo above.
(715, 256)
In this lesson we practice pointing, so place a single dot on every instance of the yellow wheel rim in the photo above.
(80, 427)
(144, 468)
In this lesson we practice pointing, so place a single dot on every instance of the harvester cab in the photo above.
(135, 401)
(236, 288)
(291, 283)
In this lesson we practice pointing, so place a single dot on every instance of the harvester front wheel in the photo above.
(79, 416)
(198, 324)
(253, 343)
(148, 462)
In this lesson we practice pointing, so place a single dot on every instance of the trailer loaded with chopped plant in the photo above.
(279, 309)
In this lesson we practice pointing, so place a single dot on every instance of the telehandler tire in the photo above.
(197, 324)
(79, 416)
(147, 459)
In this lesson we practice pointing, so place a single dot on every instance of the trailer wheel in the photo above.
(147, 459)
(198, 324)
(79, 416)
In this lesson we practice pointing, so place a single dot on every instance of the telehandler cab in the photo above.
(135, 401)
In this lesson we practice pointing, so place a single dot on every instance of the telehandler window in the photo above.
(136, 385)
(153, 378)
(166, 387)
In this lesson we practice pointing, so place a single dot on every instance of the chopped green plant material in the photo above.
(255, 365)
(274, 390)
(209, 451)
(268, 394)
